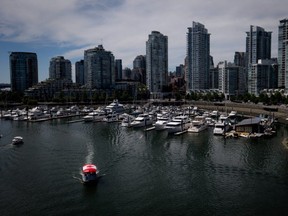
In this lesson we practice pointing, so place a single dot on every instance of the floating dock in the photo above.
(53, 117)
(181, 132)
(151, 128)
(74, 121)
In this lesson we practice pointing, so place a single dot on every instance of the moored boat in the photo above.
(17, 140)
(162, 121)
(89, 174)
(179, 123)
(111, 117)
(222, 126)
(95, 115)
(115, 106)
(127, 120)
(142, 120)
(198, 124)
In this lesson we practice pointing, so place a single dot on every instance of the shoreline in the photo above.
(247, 109)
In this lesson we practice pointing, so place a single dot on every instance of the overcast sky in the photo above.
(68, 27)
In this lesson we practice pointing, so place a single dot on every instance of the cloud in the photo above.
(123, 26)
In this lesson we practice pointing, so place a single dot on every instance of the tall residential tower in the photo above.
(258, 44)
(99, 67)
(79, 72)
(156, 62)
(283, 54)
(60, 68)
(23, 70)
(258, 48)
(198, 57)
(118, 69)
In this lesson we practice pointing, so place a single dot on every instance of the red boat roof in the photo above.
(89, 168)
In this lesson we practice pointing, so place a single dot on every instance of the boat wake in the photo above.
(77, 178)
(6, 146)
(90, 153)
(285, 142)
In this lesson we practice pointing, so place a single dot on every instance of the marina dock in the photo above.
(149, 129)
(181, 132)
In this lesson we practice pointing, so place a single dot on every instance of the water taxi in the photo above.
(17, 140)
(89, 174)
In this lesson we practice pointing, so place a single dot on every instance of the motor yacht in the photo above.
(222, 126)
(127, 120)
(111, 117)
(162, 121)
(214, 114)
(198, 124)
(96, 115)
(115, 106)
(210, 121)
(178, 123)
(233, 116)
(142, 120)
(17, 140)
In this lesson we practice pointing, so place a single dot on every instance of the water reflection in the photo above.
(144, 172)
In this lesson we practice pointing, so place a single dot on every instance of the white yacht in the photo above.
(115, 106)
(222, 126)
(232, 113)
(142, 120)
(198, 124)
(20, 118)
(210, 121)
(233, 116)
(96, 115)
(8, 115)
(17, 140)
(111, 117)
(127, 120)
(37, 113)
(162, 121)
(214, 114)
(178, 124)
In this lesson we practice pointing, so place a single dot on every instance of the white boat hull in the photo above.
(160, 125)
(197, 129)
(177, 128)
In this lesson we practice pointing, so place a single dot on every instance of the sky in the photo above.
(68, 27)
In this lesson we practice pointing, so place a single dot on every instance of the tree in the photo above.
(247, 97)
(178, 96)
(279, 98)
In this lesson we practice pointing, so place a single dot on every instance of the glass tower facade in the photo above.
(283, 54)
(118, 69)
(156, 62)
(258, 44)
(60, 68)
(23, 70)
(79, 72)
(258, 47)
(99, 66)
(198, 57)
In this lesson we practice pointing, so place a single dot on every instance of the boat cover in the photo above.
(89, 168)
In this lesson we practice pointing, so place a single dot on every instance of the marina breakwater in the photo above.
(246, 109)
